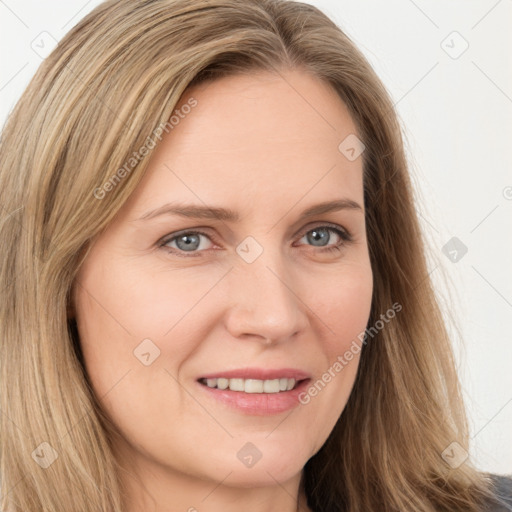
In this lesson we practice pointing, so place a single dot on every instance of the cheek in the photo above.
(118, 312)
(119, 308)
(343, 306)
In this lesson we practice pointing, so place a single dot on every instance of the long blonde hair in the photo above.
(110, 83)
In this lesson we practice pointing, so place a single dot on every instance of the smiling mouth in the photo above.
(252, 385)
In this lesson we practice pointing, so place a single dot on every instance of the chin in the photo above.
(252, 467)
(262, 476)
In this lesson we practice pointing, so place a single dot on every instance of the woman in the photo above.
(179, 175)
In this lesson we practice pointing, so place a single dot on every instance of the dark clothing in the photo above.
(503, 490)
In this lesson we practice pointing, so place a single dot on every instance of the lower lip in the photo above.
(260, 404)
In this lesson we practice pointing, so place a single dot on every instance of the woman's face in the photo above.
(271, 295)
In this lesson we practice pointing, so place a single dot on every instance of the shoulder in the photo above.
(503, 494)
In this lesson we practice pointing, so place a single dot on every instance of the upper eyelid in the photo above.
(201, 231)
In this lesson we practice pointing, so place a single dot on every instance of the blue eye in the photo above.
(186, 242)
(190, 241)
(322, 235)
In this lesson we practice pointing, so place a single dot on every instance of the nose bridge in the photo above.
(264, 300)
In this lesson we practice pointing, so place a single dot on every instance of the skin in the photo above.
(265, 146)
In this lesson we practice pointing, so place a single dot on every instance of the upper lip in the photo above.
(259, 374)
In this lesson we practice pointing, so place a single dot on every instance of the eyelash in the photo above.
(345, 236)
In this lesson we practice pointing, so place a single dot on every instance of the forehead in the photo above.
(254, 139)
(253, 114)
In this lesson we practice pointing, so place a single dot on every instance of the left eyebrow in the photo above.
(225, 214)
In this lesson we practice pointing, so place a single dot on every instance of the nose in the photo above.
(265, 300)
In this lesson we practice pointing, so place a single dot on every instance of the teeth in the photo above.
(291, 384)
(271, 386)
(222, 383)
(236, 384)
(252, 385)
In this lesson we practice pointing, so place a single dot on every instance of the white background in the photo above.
(455, 109)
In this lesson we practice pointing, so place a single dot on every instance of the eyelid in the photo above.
(161, 244)
(343, 232)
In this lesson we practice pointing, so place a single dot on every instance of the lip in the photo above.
(257, 404)
(259, 374)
